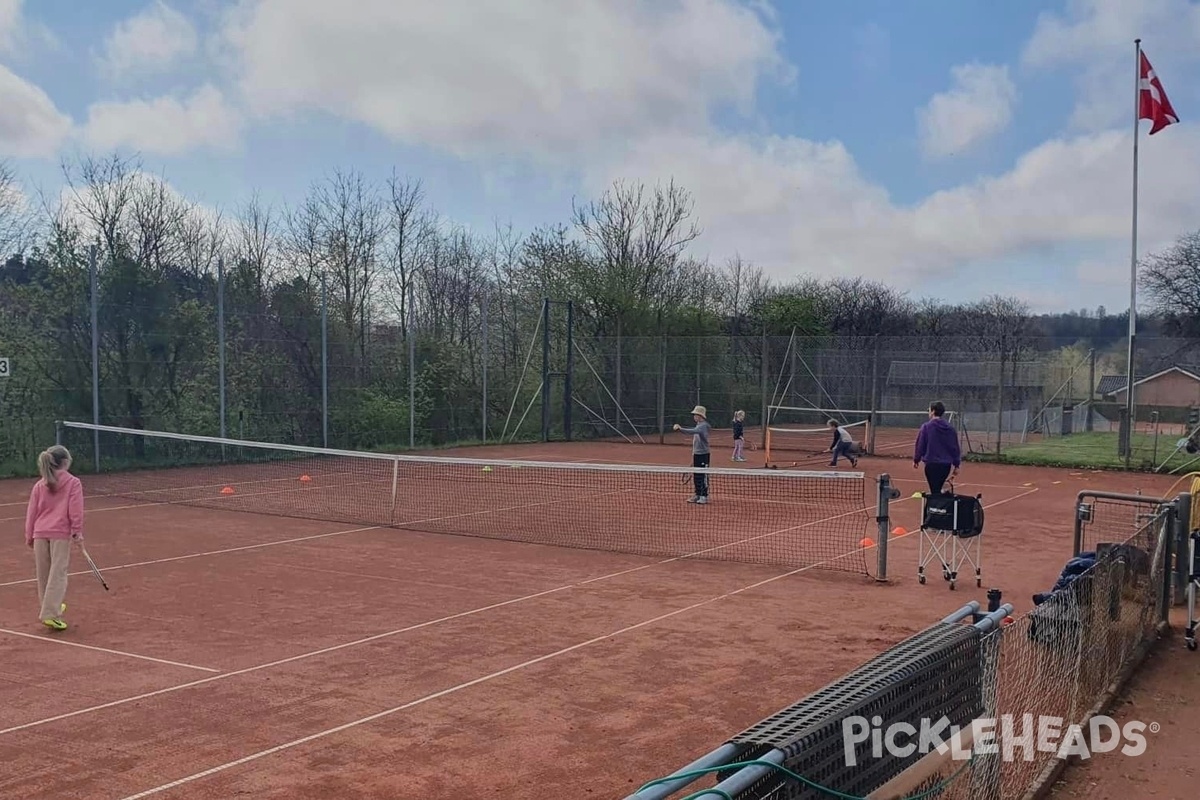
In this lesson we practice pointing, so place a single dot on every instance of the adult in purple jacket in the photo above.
(937, 446)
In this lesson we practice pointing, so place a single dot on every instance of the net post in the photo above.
(887, 493)
(1178, 546)
(94, 279)
(58, 432)
(545, 369)
(568, 383)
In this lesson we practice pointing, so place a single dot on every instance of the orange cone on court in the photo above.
(899, 531)
(866, 542)
(227, 490)
(305, 479)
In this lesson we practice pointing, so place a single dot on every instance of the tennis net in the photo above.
(786, 518)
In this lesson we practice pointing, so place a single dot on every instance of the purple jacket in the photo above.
(937, 443)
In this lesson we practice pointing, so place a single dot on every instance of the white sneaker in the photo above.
(693, 499)
(703, 501)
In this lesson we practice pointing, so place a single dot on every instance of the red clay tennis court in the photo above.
(246, 653)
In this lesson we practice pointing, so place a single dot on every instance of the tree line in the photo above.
(383, 264)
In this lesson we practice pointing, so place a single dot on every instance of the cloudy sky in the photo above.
(952, 149)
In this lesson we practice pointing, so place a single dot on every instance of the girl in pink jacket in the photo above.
(54, 519)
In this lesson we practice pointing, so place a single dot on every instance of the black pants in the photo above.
(936, 474)
(699, 479)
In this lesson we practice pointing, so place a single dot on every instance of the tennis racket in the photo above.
(95, 570)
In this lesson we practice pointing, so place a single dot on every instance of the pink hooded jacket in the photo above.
(56, 514)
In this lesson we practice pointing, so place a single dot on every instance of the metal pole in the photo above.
(617, 410)
(1091, 394)
(1000, 399)
(1182, 568)
(874, 417)
(546, 369)
(221, 343)
(762, 442)
(568, 388)
(93, 276)
(662, 386)
(887, 493)
(1129, 371)
(324, 361)
(412, 369)
(484, 404)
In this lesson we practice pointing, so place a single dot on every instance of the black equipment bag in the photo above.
(959, 514)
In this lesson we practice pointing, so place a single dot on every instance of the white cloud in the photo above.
(31, 126)
(978, 106)
(1094, 38)
(794, 207)
(151, 41)
(164, 126)
(512, 79)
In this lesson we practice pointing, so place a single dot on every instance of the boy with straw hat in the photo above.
(700, 453)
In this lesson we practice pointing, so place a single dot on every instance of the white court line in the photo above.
(409, 628)
(49, 640)
(475, 682)
(459, 687)
(428, 520)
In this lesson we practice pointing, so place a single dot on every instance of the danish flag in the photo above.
(1153, 103)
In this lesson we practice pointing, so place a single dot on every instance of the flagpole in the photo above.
(1129, 371)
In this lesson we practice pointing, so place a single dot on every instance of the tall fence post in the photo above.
(546, 369)
(324, 361)
(483, 411)
(412, 368)
(662, 386)
(1000, 398)
(1089, 425)
(94, 280)
(766, 367)
(617, 410)
(874, 415)
(221, 345)
(568, 382)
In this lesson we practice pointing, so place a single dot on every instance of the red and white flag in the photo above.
(1152, 100)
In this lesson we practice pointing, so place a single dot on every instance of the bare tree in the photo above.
(410, 229)
(17, 223)
(635, 245)
(1172, 279)
(254, 248)
(103, 191)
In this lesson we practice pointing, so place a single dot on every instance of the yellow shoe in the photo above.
(55, 624)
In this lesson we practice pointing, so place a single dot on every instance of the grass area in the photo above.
(1094, 450)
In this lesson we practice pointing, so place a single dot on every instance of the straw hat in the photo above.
(700, 411)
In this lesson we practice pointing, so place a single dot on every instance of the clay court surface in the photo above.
(240, 654)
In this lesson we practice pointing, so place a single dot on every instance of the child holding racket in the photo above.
(53, 520)
(700, 453)
(739, 431)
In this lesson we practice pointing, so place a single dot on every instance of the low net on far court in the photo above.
(797, 435)
(794, 519)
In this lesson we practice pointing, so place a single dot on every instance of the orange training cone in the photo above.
(305, 479)
(227, 490)
(899, 531)
(866, 542)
